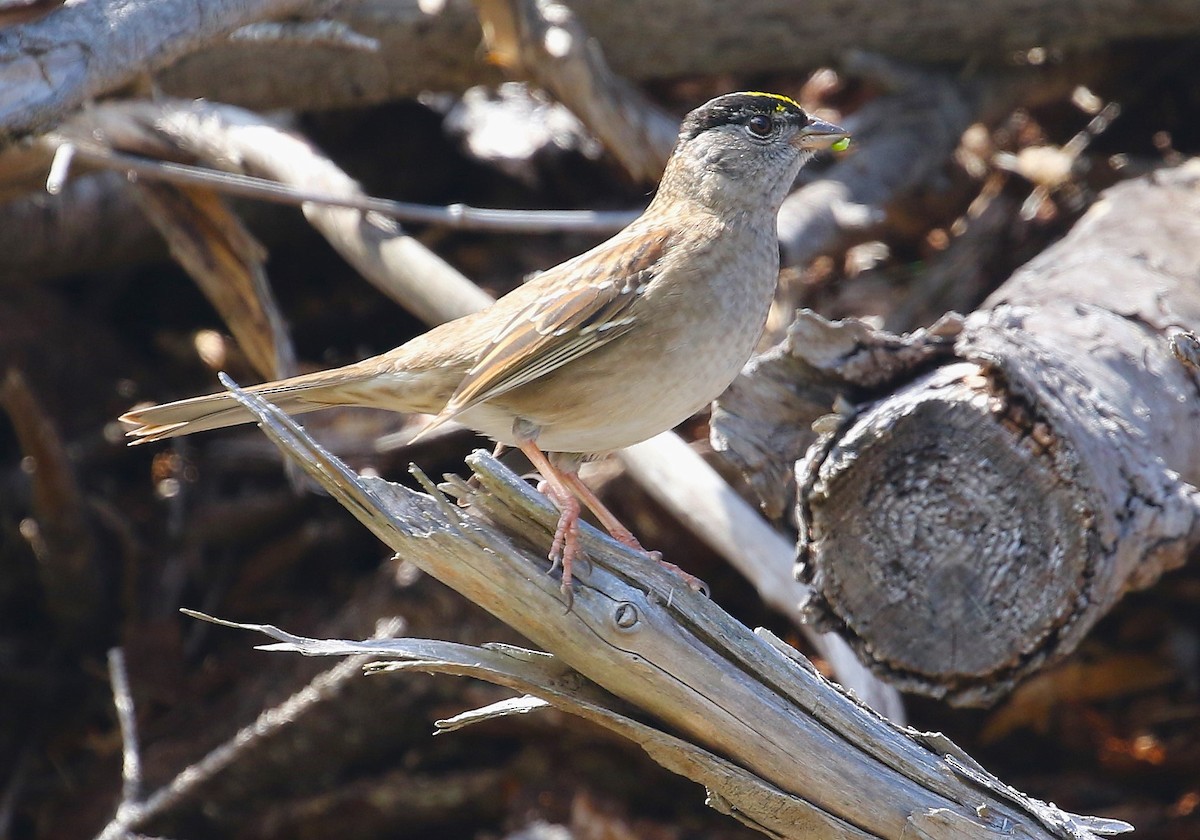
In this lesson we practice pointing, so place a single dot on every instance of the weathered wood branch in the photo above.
(235, 139)
(242, 760)
(790, 752)
(51, 66)
(228, 264)
(902, 142)
(769, 416)
(971, 524)
(675, 475)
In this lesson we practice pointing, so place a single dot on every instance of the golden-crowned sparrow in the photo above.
(607, 349)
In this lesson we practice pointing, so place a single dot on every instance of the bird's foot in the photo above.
(693, 583)
(565, 547)
(569, 493)
(624, 536)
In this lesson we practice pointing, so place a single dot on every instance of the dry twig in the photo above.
(135, 811)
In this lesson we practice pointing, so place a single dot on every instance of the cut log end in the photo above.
(946, 535)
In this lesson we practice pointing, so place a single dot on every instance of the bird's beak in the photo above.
(819, 134)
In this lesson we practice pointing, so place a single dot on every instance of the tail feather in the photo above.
(298, 395)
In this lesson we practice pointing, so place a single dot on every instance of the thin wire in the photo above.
(457, 216)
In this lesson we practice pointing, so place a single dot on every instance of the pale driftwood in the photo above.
(797, 757)
(51, 66)
(232, 138)
(94, 222)
(765, 421)
(454, 216)
(974, 523)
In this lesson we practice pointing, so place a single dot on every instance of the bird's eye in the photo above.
(760, 125)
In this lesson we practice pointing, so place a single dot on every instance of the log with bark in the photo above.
(971, 512)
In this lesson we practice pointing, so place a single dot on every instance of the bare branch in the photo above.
(131, 758)
(636, 631)
(54, 65)
(229, 266)
(641, 40)
(674, 474)
(401, 267)
(323, 688)
(545, 41)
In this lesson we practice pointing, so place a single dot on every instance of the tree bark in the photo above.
(54, 65)
(973, 523)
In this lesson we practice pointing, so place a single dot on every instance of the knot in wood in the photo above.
(625, 616)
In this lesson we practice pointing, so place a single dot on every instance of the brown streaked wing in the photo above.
(565, 325)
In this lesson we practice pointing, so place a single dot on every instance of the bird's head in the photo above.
(744, 149)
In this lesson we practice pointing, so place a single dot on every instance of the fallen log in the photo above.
(969, 516)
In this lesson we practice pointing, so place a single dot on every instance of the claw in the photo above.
(567, 491)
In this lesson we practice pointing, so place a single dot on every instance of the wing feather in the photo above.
(565, 325)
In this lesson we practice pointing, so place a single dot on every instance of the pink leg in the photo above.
(567, 490)
(566, 533)
(607, 518)
(565, 547)
(622, 534)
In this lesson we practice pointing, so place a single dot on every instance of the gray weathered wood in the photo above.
(53, 65)
(970, 524)
(233, 138)
(770, 415)
(674, 474)
(639, 632)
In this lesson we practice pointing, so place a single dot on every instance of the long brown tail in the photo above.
(297, 395)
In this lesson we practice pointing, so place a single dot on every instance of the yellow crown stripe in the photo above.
(779, 106)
